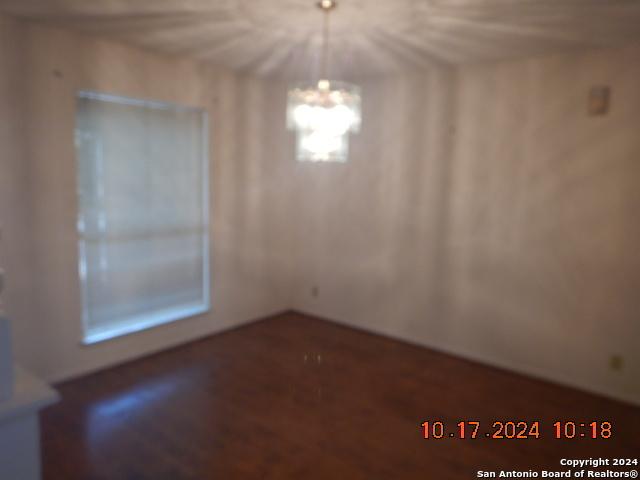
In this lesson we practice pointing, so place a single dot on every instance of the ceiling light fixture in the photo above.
(324, 114)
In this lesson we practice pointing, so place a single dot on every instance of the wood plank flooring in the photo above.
(294, 397)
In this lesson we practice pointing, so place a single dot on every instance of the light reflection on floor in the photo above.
(114, 414)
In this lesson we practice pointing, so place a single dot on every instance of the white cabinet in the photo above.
(20, 428)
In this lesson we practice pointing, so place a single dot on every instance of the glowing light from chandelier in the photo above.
(323, 116)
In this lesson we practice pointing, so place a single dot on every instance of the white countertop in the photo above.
(29, 394)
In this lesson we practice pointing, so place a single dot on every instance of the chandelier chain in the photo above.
(325, 46)
(327, 6)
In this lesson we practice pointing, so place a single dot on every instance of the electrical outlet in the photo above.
(315, 291)
(616, 362)
(599, 100)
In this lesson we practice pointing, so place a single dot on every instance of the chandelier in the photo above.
(324, 114)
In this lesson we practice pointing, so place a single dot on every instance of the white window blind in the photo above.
(143, 217)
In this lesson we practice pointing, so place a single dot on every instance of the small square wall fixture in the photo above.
(599, 100)
(323, 116)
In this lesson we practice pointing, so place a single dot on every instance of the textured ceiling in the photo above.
(282, 37)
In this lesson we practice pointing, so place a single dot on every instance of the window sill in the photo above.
(145, 322)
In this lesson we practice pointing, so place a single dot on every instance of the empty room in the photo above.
(335, 239)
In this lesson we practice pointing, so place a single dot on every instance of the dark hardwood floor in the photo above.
(293, 397)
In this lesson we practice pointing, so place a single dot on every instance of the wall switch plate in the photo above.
(599, 100)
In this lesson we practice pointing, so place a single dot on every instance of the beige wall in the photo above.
(15, 190)
(544, 247)
(39, 205)
(369, 233)
(484, 214)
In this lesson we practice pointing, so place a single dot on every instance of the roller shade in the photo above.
(143, 217)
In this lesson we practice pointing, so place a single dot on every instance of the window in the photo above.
(143, 217)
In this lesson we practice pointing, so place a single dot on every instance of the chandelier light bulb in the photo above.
(327, 4)
(324, 85)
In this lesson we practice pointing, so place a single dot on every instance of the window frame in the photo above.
(87, 338)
